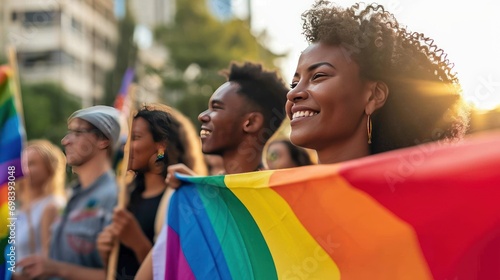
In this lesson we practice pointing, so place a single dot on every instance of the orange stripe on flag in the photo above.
(363, 238)
(4, 210)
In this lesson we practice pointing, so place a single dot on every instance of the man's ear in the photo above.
(378, 97)
(103, 143)
(254, 122)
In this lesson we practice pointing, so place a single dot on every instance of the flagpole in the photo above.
(11, 53)
(249, 16)
(122, 183)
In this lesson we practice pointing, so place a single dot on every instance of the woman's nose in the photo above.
(296, 93)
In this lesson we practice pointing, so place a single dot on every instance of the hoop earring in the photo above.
(369, 129)
(160, 155)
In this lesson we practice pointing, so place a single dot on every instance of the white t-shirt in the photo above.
(23, 226)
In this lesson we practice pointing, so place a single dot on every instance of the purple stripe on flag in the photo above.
(4, 175)
(175, 257)
(127, 80)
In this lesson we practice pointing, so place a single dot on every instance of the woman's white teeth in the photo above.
(301, 114)
(204, 132)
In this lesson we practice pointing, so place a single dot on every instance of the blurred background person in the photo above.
(215, 164)
(41, 197)
(283, 154)
(89, 145)
(158, 139)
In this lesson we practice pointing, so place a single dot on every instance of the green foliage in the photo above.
(46, 108)
(125, 56)
(197, 38)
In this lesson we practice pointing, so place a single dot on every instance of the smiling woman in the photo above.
(474, 53)
(367, 85)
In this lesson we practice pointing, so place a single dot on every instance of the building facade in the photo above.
(152, 13)
(69, 42)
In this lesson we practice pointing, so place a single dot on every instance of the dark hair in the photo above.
(265, 90)
(164, 128)
(170, 126)
(424, 101)
(298, 154)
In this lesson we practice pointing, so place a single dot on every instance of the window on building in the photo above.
(99, 41)
(41, 18)
(48, 59)
(35, 59)
(77, 26)
(75, 63)
(107, 44)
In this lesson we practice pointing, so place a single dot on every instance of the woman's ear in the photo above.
(161, 146)
(254, 122)
(378, 97)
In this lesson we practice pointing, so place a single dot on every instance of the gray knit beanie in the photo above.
(104, 118)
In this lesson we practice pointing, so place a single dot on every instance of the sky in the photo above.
(469, 31)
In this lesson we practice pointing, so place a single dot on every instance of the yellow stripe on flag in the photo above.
(296, 254)
(4, 211)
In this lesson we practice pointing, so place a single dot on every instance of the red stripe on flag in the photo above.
(449, 194)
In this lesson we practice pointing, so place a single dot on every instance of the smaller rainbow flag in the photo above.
(426, 212)
(121, 99)
(124, 105)
(11, 144)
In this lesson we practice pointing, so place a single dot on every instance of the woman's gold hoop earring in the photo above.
(369, 129)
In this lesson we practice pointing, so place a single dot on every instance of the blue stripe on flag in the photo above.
(202, 240)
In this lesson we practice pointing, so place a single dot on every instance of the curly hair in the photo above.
(265, 90)
(424, 102)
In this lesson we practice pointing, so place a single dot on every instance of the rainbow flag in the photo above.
(121, 99)
(11, 143)
(426, 212)
(124, 105)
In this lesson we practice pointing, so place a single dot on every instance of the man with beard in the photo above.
(89, 145)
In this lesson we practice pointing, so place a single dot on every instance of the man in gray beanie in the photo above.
(92, 137)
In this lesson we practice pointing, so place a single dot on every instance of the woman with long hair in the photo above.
(41, 197)
(160, 137)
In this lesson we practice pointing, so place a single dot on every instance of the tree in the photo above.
(125, 56)
(197, 38)
(47, 107)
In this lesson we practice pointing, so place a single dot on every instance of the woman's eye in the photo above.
(318, 75)
(293, 85)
